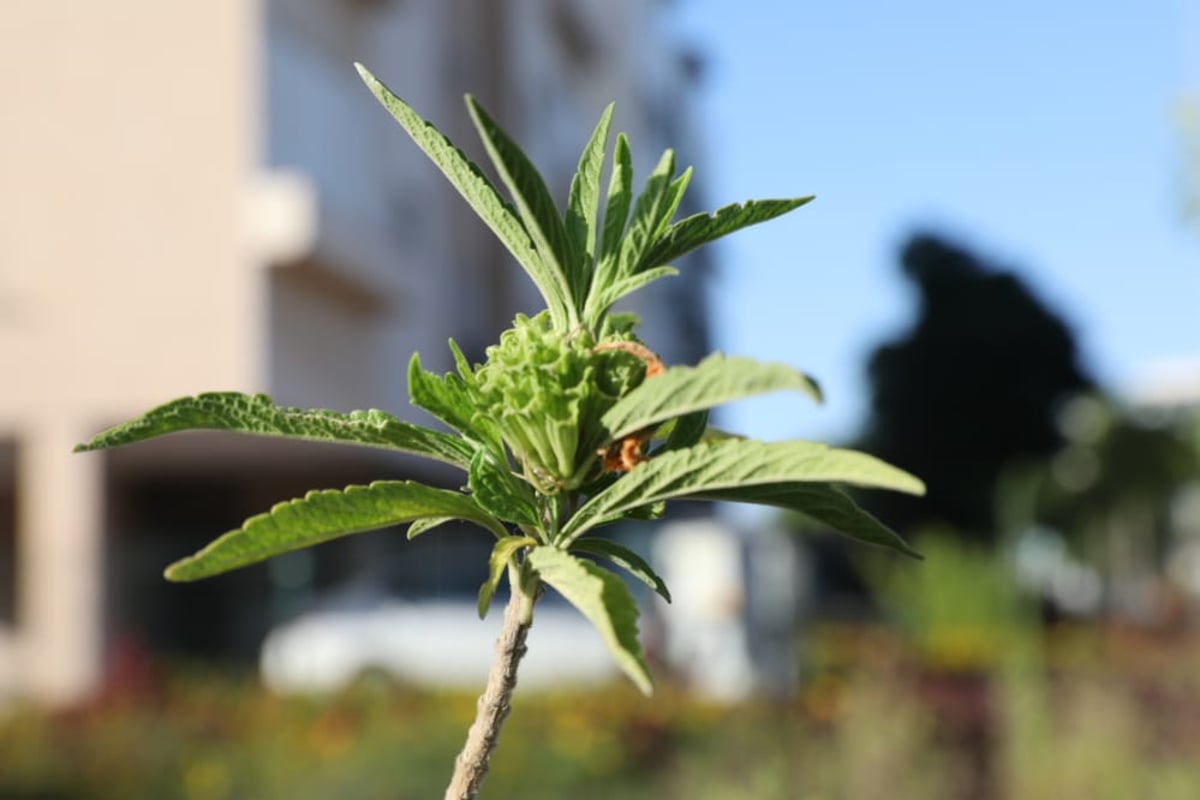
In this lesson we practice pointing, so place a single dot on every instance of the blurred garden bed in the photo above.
(1066, 713)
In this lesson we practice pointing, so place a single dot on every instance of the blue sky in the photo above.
(1039, 134)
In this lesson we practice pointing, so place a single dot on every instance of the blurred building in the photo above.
(203, 196)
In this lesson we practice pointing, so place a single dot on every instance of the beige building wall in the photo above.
(128, 128)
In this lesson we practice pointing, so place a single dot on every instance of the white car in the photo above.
(436, 642)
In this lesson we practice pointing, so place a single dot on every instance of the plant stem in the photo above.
(471, 766)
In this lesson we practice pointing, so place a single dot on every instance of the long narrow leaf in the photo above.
(323, 515)
(698, 229)
(533, 200)
(624, 558)
(447, 398)
(628, 284)
(647, 212)
(732, 463)
(500, 493)
(256, 414)
(479, 193)
(583, 206)
(620, 197)
(823, 503)
(502, 553)
(604, 599)
(714, 381)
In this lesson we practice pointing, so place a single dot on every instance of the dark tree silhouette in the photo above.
(973, 387)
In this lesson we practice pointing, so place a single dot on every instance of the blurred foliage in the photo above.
(971, 388)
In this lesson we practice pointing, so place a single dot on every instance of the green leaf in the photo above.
(256, 414)
(686, 430)
(535, 203)
(583, 206)
(600, 301)
(426, 524)
(625, 558)
(824, 503)
(671, 200)
(730, 464)
(698, 229)
(323, 515)
(479, 193)
(714, 381)
(500, 493)
(620, 196)
(502, 553)
(448, 399)
(604, 599)
(647, 214)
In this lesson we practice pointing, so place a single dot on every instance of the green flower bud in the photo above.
(546, 390)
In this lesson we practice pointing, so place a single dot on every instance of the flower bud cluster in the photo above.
(547, 390)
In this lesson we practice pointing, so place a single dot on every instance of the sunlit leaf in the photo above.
(624, 558)
(479, 193)
(823, 503)
(698, 229)
(533, 200)
(732, 463)
(714, 381)
(604, 599)
(328, 514)
(256, 414)
(502, 554)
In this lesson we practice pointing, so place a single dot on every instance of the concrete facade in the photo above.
(203, 196)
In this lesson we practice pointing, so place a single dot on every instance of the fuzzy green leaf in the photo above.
(500, 493)
(583, 206)
(613, 291)
(670, 203)
(426, 524)
(729, 464)
(620, 197)
(647, 214)
(479, 193)
(698, 229)
(323, 515)
(502, 554)
(714, 381)
(447, 398)
(256, 414)
(824, 503)
(534, 201)
(604, 599)
(625, 558)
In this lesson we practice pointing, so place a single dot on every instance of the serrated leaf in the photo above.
(257, 415)
(699, 229)
(447, 398)
(620, 197)
(624, 558)
(670, 203)
(824, 503)
(477, 190)
(323, 515)
(500, 493)
(534, 202)
(425, 525)
(502, 552)
(647, 213)
(604, 599)
(729, 464)
(583, 206)
(714, 381)
(614, 291)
